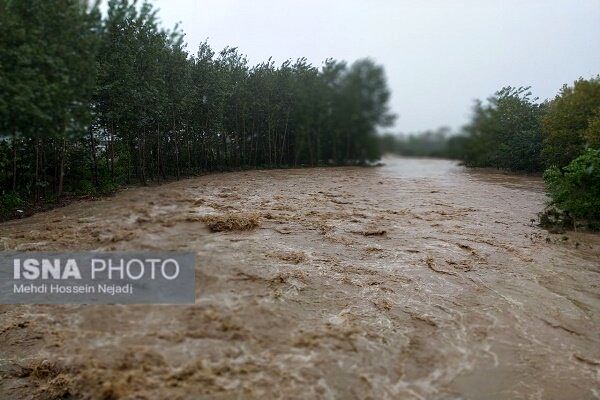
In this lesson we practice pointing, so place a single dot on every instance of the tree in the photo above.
(505, 133)
(47, 74)
(571, 122)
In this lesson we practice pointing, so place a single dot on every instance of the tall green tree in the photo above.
(46, 77)
(505, 132)
(571, 123)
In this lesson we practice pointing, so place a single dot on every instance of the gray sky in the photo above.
(439, 55)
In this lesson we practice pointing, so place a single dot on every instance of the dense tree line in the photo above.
(88, 103)
(514, 131)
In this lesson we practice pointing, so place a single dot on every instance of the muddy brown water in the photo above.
(415, 280)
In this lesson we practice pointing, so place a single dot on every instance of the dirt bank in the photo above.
(414, 280)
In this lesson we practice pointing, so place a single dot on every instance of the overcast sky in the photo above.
(439, 55)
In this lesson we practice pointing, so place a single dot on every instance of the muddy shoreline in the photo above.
(417, 280)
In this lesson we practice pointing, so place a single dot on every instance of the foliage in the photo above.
(47, 71)
(572, 122)
(9, 202)
(89, 103)
(505, 133)
(576, 188)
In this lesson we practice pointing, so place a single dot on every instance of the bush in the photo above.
(555, 220)
(107, 187)
(575, 189)
(9, 202)
(84, 188)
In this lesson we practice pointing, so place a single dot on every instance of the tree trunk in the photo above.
(14, 169)
(112, 151)
(61, 172)
(37, 166)
(142, 155)
(94, 159)
(158, 161)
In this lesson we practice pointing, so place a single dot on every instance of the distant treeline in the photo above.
(439, 143)
(88, 103)
(513, 131)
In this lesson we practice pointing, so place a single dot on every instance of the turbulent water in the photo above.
(415, 280)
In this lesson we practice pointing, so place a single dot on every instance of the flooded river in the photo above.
(415, 280)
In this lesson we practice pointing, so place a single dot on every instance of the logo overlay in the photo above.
(97, 278)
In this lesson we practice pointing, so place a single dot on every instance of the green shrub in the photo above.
(107, 187)
(575, 189)
(9, 202)
(84, 188)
